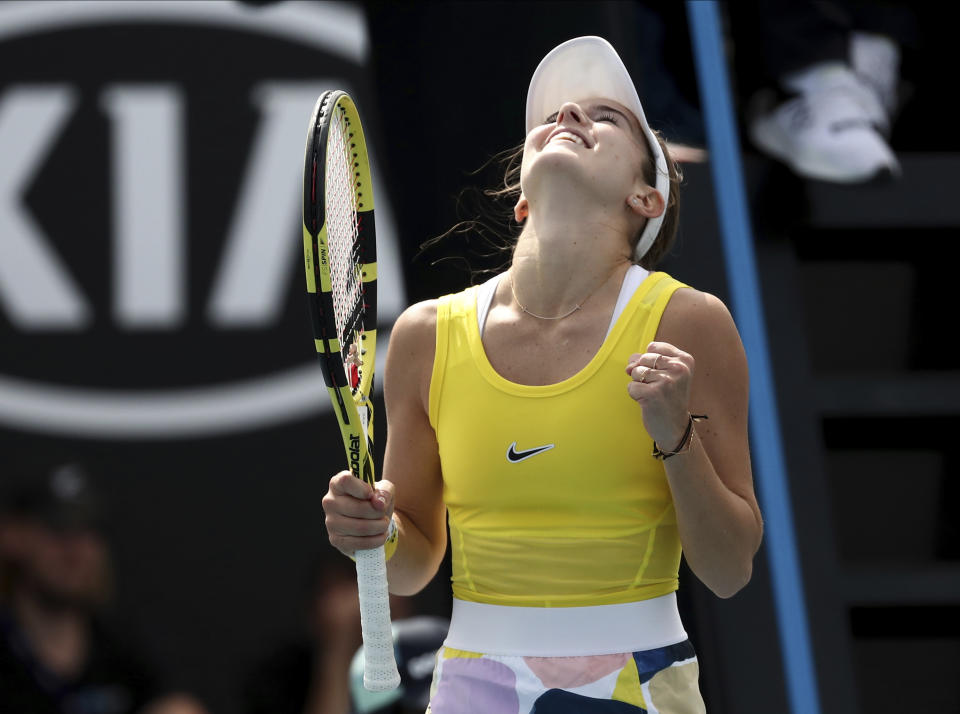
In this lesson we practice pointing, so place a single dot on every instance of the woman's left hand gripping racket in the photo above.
(340, 255)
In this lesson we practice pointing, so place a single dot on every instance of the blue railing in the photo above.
(765, 437)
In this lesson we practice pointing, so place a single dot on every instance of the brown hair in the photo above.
(498, 228)
(671, 212)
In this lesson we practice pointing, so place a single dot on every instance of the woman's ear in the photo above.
(521, 210)
(646, 202)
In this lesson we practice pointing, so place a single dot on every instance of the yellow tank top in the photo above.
(553, 497)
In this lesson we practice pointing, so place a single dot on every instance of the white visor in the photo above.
(587, 67)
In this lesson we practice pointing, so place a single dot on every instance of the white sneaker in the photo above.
(827, 131)
(876, 60)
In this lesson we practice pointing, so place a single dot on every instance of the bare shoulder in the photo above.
(411, 351)
(417, 320)
(699, 323)
(413, 337)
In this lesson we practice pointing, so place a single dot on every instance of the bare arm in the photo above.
(412, 460)
(411, 491)
(702, 369)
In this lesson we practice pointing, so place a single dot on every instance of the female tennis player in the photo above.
(579, 418)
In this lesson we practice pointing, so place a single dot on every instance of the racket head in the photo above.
(340, 262)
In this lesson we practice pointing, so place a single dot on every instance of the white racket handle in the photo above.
(380, 666)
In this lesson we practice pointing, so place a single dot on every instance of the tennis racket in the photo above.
(340, 257)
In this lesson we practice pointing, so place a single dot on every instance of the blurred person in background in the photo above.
(830, 78)
(310, 675)
(56, 655)
(322, 672)
(416, 642)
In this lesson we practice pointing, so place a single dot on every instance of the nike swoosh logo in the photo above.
(514, 456)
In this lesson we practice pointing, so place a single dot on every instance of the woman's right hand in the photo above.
(357, 515)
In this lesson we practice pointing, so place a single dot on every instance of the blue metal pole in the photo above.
(766, 442)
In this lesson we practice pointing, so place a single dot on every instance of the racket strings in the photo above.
(343, 237)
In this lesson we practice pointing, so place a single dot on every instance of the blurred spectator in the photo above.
(56, 657)
(833, 76)
(310, 676)
(323, 673)
(416, 641)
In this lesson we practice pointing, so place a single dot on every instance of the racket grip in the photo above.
(380, 666)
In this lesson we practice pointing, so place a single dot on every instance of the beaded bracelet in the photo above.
(684, 445)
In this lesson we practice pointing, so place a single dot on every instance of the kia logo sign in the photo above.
(150, 167)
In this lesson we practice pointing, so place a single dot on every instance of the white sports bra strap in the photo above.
(632, 280)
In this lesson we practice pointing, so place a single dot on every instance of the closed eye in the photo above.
(602, 116)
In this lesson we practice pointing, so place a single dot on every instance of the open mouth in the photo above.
(567, 135)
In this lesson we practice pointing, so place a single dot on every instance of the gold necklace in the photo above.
(558, 317)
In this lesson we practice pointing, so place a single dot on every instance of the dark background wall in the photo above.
(215, 520)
